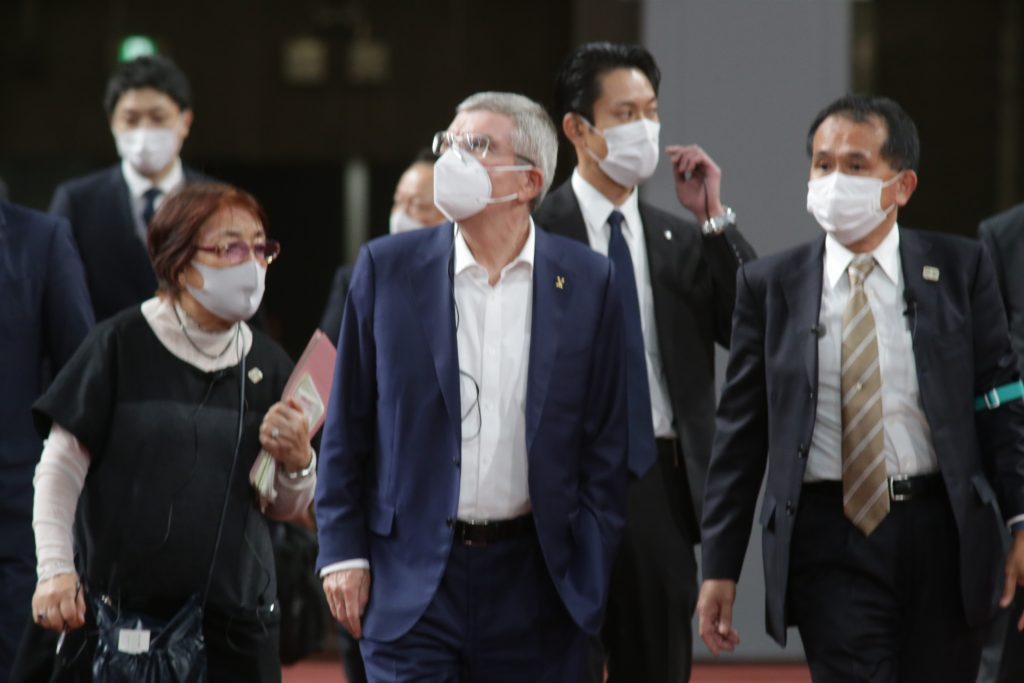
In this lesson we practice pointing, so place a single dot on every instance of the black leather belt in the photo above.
(485, 533)
(668, 449)
(902, 488)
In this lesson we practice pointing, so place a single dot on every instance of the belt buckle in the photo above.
(892, 493)
(468, 542)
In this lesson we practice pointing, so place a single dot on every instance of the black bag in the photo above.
(135, 648)
(304, 611)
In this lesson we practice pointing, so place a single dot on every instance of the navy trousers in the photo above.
(495, 617)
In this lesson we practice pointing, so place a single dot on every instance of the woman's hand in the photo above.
(58, 603)
(283, 434)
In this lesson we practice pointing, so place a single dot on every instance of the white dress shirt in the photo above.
(596, 208)
(908, 438)
(493, 336)
(138, 184)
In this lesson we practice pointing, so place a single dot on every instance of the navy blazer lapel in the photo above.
(921, 296)
(430, 285)
(802, 290)
(549, 302)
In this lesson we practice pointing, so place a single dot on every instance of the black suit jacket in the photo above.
(330, 322)
(1003, 235)
(768, 406)
(117, 266)
(693, 280)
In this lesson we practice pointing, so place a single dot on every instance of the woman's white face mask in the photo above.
(233, 293)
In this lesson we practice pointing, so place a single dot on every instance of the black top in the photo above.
(161, 434)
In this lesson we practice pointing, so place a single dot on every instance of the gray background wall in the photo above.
(743, 79)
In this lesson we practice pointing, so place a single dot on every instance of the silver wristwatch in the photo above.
(716, 224)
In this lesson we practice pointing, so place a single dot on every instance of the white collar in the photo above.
(887, 255)
(596, 208)
(464, 257)
(138, 184)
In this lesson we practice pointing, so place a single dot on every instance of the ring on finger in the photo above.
(274, 433)
(41, 615)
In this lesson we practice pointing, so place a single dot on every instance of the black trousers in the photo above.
(881, 608)
(647, 634)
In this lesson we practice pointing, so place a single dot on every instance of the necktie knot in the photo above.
(149, 206)
(860, 268)
(615, 220)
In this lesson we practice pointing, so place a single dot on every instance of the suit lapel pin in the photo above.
(559, 282)
(668, 234)
(930, 273)
(255, 375)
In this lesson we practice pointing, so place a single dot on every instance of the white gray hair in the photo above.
(533, 133)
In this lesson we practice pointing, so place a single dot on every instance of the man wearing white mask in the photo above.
(678, 285)
(412, 208)
(871, 371)
(149, 107)
(474, 454)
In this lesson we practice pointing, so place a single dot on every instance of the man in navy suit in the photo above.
(871, 370)
(44, 314)
(474, 455)
(149, 107)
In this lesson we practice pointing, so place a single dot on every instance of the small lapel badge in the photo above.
(559, 282)
(668, 234)
(255, 375)
(930, 273)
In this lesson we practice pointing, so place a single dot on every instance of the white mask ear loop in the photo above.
(504, 169)
(886, 184)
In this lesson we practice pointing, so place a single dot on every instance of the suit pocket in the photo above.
(381, 519)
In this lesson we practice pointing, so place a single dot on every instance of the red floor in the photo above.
(324, 671)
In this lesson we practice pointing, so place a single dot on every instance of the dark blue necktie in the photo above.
(641, 425)
(149, 208)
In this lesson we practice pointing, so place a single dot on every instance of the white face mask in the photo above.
(402, 222)
(632, 151)
(148, 150)
(848, 207)
(233, 293)
(462, 185)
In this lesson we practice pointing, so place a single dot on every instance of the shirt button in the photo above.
(455, 461)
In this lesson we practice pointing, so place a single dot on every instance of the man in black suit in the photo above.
(872, 371)
(149, 106)
(44, 315)
(1003, 235)
(678, 296)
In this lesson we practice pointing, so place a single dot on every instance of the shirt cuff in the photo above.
(359, 563)
(1015, 524)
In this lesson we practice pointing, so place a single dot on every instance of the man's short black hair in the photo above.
(902, 148)
(151, 71)
(578, 85)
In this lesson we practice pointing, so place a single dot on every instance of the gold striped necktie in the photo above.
(865, 487)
